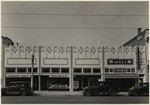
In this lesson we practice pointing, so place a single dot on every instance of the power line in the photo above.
(72, 14)
(67, 27)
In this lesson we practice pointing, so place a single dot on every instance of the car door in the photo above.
(10, 88)
(145, 90)
(17, 88)
(102, 87)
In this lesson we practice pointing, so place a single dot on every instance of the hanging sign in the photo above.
(120, 61)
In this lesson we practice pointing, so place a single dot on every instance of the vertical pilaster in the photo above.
(71, 70)
(82, 82)
(146, 66)
(136, 82)
(103, 64)
(3, 67)
(136, 70)
(39, 83)
(39, 68)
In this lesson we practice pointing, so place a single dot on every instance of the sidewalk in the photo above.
(58, 93)
(66, 93)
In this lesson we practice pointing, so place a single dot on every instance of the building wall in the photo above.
(142, 39)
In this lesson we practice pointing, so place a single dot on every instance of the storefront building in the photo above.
(141, 39)
(72, 68)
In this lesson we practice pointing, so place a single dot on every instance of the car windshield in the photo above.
(17, 84)
(12, 84)
(145, 85)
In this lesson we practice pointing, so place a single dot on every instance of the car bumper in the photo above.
(31, 92)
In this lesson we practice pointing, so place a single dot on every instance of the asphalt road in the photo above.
(75, 100)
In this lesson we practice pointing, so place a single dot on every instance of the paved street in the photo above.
(75, 99)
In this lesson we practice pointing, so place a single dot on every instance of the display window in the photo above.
(58, 84)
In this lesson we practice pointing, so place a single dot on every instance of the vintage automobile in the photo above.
(21, 88)
(142, 90)
(109, 88)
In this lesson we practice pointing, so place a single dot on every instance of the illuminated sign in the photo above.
(120, 61)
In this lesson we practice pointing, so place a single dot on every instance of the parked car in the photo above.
(102, 88)
(142, 90)
(21, 88)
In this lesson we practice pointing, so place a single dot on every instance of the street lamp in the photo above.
(32, 63)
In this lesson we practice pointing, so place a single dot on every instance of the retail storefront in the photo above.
(83, 81)
(84, 77)
(74, 68)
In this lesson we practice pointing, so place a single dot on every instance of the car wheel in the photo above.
(130, 93)
(112, 92)
(137, 93)
(87, 93)
(103, 93)
(23, 92)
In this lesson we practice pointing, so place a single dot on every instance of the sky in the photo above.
(72, 22)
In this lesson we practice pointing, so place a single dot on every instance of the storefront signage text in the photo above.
(120, 61)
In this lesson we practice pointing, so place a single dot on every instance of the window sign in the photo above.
(120, 61)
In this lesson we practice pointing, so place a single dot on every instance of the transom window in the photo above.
(10, 70)
(120, 70)
(133, 70)
(106, 70)
(77, 70)
(65, 70)
(96, 70)
(20, 70)
(45, 70)
(55, 70)
(34, 70)
(87, 70)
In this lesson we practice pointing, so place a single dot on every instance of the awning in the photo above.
(125, 77)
